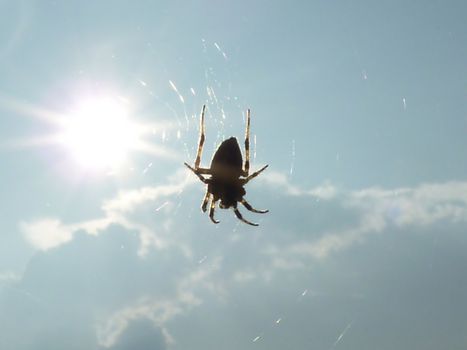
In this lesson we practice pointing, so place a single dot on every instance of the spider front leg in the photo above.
(256, 173)
(197, 170)
(201, 139)
(246, 168)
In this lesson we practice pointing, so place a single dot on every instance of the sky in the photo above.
(359, 108)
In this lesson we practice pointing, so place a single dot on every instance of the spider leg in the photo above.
(201, 139)
(204, 206)
(256, 173)
(246, 167)
(211, 211)
(201, 177)
(206, 171)
(250, 208)
(240, 217)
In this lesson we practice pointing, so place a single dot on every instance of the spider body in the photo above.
(227, 161)
(228, 174)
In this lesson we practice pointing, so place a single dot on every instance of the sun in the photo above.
(98, 133)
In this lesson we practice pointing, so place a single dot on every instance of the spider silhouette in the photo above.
(227, 176)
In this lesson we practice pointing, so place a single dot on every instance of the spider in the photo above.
(227, 177)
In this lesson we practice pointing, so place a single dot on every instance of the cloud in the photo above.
(161, 310)
(371, 210)
(48, 233)
(129, 200)
(110, 334)
(276, 179)
(141, 334)
(9, 276)
(421, 205)
(45, 234)
(375, 210)
(166, 276)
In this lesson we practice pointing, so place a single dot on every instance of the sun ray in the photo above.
(98, 133)
(30, 110)
(158, 150)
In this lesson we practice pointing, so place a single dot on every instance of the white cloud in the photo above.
(276, 179)
(269, 255)
(422, 205)
(377, 208)
(161, 310)
(45, 234)
(128, 200)
(158, 311)
(332, 242)
(48, 233)
(9, 276)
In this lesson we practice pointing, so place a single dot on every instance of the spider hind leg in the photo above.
(240, 217)
(204, 205)
(211, 211)
(250, 208)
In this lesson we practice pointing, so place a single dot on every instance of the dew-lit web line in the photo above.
(275, 322)
(292, 162)
(342, 334)
(182, 100)
(221, 51)
(285, 316)
(173, 110)
(212, 52)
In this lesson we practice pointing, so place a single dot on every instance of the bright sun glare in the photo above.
(99, 134)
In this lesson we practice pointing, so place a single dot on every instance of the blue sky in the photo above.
(358, 108)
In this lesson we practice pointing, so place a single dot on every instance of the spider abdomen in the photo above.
(227, 161)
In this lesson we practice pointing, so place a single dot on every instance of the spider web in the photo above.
(225, 116)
